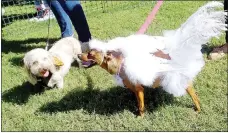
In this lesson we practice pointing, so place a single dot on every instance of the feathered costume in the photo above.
(183, 46)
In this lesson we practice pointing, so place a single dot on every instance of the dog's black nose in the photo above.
(79, 56)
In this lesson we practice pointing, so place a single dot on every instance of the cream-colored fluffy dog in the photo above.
(53, 64)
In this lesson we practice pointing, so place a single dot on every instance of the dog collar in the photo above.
(117, 77)
(57, 61)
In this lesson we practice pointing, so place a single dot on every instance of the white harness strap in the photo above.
(118, 79)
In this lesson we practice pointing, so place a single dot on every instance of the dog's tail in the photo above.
(185, 43)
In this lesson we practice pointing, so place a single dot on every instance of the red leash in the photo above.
(150, 18)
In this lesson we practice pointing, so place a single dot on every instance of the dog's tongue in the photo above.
(45, 74)
(86, 63)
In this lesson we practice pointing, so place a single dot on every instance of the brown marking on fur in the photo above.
(156, 83)
(161, 54)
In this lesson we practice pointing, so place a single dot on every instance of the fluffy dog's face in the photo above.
(110, 60)
(38, 62)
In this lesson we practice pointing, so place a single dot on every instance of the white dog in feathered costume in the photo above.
(50, 67)
(132, 61)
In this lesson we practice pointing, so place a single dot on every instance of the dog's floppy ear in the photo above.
(109, 55)
(32, 78)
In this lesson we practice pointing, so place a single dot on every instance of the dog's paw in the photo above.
(51, 84)
(59, 84)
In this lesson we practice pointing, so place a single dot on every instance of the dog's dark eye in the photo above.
(35, 63)
(91, 53)
(107, 58)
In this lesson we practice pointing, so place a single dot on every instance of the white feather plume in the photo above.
(185, 44)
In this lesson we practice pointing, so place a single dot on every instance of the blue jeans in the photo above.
(67, 11)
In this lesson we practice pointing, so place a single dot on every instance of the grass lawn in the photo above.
(90, 101)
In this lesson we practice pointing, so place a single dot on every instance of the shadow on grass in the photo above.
(9, 19)
(107, 102)
(18, 46)
(17, 61)
(20, 94)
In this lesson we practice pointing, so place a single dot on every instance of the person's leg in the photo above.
(39, 8)
(62, 18)
(37, 4)
(77, 16)
(226, 9)
(43, 11)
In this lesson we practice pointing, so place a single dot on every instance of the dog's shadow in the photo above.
(19, 46)
(17, 61)
(107, 102)
(20, 94)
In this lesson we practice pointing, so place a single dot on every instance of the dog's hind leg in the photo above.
(194, 97)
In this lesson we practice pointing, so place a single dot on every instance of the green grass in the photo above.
(90, 101)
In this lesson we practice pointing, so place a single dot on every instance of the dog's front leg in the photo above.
(156, 83)
(140, 98)
(56, 79)
(60, 83)
(139, 93)
(51, 82)
(129, 85)
(53, 69)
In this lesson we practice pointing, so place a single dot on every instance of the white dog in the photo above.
(55, 63)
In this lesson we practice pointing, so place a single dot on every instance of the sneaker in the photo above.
(85, 47)
(218, 52)
(43, 15)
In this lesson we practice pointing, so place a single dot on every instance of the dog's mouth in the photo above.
(44, 73)
(86, 60)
